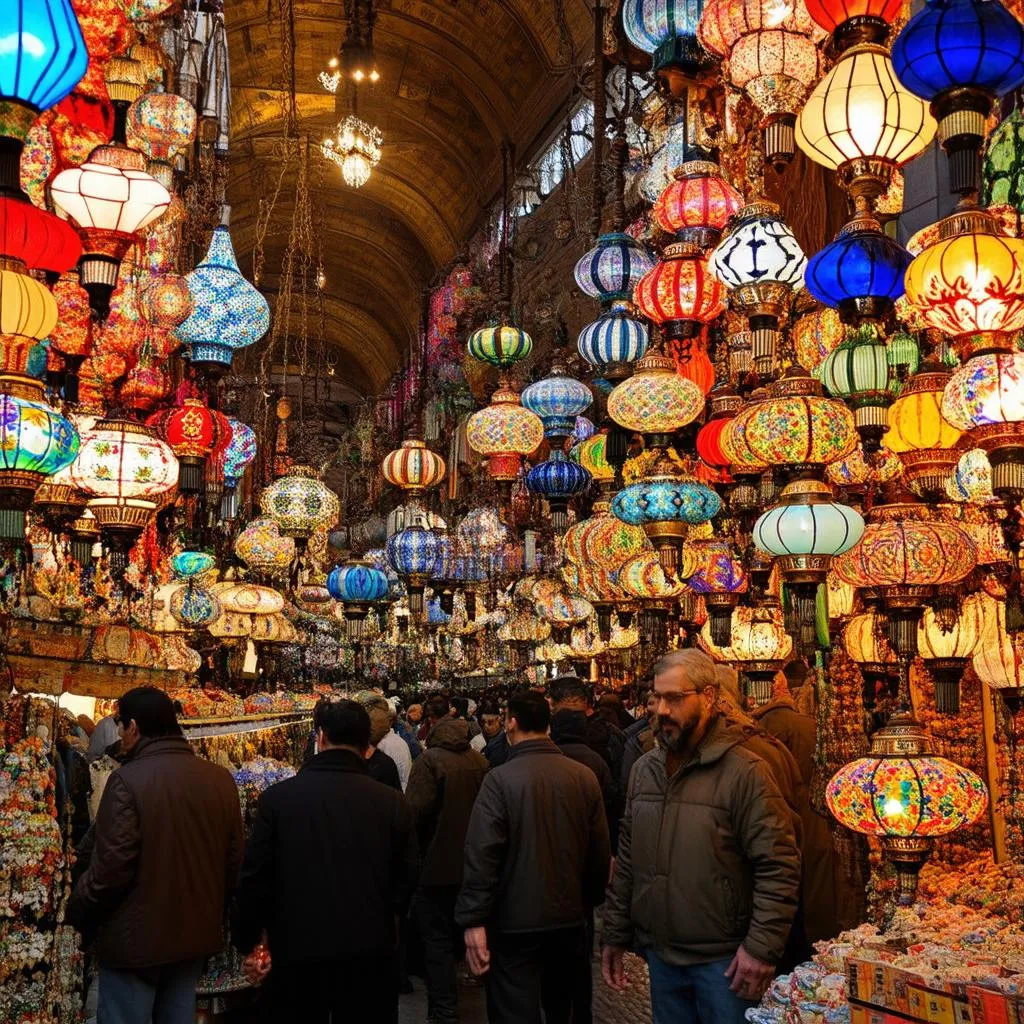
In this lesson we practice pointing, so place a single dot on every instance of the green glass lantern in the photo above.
(858, 373)
(1003, 168)
(904, 355)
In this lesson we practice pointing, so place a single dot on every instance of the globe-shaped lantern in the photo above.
(43, 62)
(35, 442)
(413, 467)
(413, 554)
(228, 312)
(666, 505)
(162, 126)
(558, 480)
(861, 469)
(667, 30)
(592, 455)
(499, 345)
(999, 658)
(614, 341)
(922, 437)
(300, 503)
(851, 21)
(905, 797)
(860, 121)
(698, 205)
(946, 651)
(858, 372)
(655, 401)
(761, 262)
(971, 479)
(194, 607)
(719, 578)
(816, 331)
(126, 471)
(504, 432)
(266, 552)
(191, 431)
(358, 586)
(109, 198)
(612, 269)
(961, 55)
(724, 404)
(757, 646)
(866, 640)
(36, 237)
(557, 400)
(186, 565)
(680, 293)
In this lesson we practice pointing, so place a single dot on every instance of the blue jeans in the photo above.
(694, 995)
(163, 995)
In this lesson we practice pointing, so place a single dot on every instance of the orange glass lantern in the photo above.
(680, 293)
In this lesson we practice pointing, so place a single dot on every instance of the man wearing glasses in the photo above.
(708, 872)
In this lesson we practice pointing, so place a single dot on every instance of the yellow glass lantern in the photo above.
(504, 432)
(947, 651)
(656, 400)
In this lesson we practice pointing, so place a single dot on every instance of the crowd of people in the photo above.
(525, 837)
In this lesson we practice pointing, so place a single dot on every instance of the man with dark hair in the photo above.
(168, 843)
(537, 858)
(569, 693)
(436, 708)
(330, 864)
(492, 723)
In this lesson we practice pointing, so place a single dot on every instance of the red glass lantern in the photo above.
(39, 239)
(191, 431)
(680, 293)
(697, 206)
(835, 15)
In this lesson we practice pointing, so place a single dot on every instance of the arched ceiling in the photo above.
(458, 77)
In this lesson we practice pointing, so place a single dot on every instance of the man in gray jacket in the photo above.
(708, 869)
(537, 858)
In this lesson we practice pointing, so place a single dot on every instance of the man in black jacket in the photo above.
(537, 858)
(442, 789)
(569, 693)
(330, 863)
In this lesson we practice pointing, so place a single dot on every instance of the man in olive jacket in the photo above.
(537, 858)
(443, 786)
(168, 847)
(708, 870)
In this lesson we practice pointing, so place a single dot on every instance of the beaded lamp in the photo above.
(655, 401)
(162, 126)
(558, 400)
(358, 585)
(504, 432)
(413, 554)
(267, 552)
(300, 503)
(698, 205)
(558, 480)
(611, 270)
(667, 29)
(680, 293)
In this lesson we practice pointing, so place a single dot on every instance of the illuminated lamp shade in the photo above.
(300, 503)
(413, 467)
(756, 644)
(613, 341)
(719, 579)
(858, 372)
(698, 204)
(655, 401)
(36, 237)
(109, 198)
(608, 543)
(228, 312)
(667, 29)
(723, 406)
(36, 441)
(558, 480)
(247, 599)
(971, 479)
(905, 797)
(760, 262)
(860, 273)
(680, 293)
(239, 452)
(357, 585)
(162, 126)
(272, 629)
(504, 432)
(796, 425)
(593, 457)
(28, 313)
(644, 578)
(43, 60)
(845, 19)
(961, 55)
(816, 333)
(866, 641)
(999, 658)
(264, 550)
(188, 564)
(191, 431)
(904, 355)
(613, 268)
(413, 554)
(558, 400)
(946, 651)
(860, 121)
(1003, 167)
(969, 283)
(166, 301)
(126, 471)
(499, 345)
(859, 469)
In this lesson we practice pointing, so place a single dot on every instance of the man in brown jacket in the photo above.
(168, 848)
(708, 871)
(443, 786)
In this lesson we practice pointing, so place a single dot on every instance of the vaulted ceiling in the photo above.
(458, 77)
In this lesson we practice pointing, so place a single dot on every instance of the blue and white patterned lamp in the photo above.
(611, 270)
(558, 480)
(558, 400)
(667, 29)
(413, 554)
(614, 341)
(358, 586)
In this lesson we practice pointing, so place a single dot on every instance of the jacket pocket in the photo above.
(730, 902)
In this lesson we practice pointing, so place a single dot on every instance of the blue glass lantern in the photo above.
(557, 400)
(35, 442)
(614, 340)
(413, 554)
(228, 312)
(42, 58)
(193, 607)
(241, 450)
(668, 30)
(611, 270)
(666, 505)
(961, 55)
(860, 273)
(378, 558)
(188, 564)
(357, 585)
(558, 480)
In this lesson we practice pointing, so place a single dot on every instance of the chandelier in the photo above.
(355, 149)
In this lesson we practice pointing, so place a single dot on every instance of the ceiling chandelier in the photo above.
(355, 148)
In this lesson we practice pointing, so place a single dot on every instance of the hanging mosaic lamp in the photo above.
(300, 503)
(855, 21)
(718, 578)
(191, 431)
(655, 401)
(239, 452)
(499, 346)
(558, 400)
(414, 468)
(758, 647)
(413, 554)
(162, 126)
(723, 404)
(961, 56)
(228, 313)
(816, 331)
(667, 29)
(266, 552)
(946, 652)
(358, 585)
(1003, 169)
(680, 293)
(613, 342)
(504, 432)
(612, 269)
(698, 205)
(558, 480)
(761, 263)
(858, 373)
(592, 455)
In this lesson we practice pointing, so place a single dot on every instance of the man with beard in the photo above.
(708, 870)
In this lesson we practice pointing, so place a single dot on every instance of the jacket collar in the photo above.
(336, 760)
(569, 727)
(449, 734)
(544, 746)
(160, 745)
(723, 734)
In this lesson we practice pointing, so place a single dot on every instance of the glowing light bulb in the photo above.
(893, 808)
